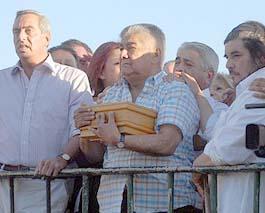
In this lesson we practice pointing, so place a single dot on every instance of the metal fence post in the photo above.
(213, 193)
(48, 196)
(12, 197)
(256, 192)
(130, 202)
(170, 182)
(85, 194)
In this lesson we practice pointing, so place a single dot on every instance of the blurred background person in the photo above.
(104, 67)
(64, 55)
(169, 66)
(221, 86)
(82, 51)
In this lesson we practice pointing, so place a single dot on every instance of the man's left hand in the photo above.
(50, 167)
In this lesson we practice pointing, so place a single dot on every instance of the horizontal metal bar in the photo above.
(111, 171)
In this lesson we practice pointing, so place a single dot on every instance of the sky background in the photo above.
(99, 21)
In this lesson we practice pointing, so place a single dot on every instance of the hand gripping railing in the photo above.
(130, 172)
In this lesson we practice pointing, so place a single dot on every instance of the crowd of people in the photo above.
(41, 112)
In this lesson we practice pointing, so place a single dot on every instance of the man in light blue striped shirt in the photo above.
(171, 145)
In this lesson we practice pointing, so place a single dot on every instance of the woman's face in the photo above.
(111, 71)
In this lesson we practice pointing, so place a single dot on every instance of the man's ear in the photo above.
(157, 56)
(210, 75)
(102, 76)
(47, 37)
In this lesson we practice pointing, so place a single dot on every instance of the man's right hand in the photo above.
(83, 116)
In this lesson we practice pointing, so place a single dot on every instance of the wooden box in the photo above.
(130, 118)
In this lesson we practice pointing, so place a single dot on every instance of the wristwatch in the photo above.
(65, 156)
(122, 141)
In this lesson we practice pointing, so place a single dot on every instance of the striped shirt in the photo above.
(36, 114)
(175, 105)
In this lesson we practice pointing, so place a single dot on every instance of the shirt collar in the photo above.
(156, 79)
(47, 65)
(243, 85)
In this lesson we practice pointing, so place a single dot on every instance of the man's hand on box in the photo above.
(83, 117)
(108, 131)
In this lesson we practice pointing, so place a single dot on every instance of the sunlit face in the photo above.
(30, 43)
(239, 62)
(111, 71)
(83, 56)
(136, 62)
(64, 57)
(189, 61)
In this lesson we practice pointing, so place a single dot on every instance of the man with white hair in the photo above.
(142, 84)
(38, 98)
(201, 62)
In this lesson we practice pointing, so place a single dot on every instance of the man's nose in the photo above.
(21, 35)
(229, 64)
(179, 68)
(124, 54)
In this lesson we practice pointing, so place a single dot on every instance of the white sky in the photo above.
(96, 22)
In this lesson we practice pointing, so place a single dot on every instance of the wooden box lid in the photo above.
(130, 118)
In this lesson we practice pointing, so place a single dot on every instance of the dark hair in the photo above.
(97, 65)
(71, 42)
(252, 34)
(53, 49)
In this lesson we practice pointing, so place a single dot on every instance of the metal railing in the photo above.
(130, 172)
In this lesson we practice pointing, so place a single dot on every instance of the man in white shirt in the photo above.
(245, 53)
(38, 98)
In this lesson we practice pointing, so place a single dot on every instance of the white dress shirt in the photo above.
(235, 190)
(36, 114)
(218, 108)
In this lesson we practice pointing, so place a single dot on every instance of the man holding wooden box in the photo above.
(171, 144)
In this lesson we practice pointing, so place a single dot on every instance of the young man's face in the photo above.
(239, 61)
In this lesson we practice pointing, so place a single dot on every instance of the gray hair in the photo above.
(152, 30)
(44, 23)
(71, 42)
(209, 57)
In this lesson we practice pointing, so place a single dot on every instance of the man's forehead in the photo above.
(26, 20)
(137, 38)
(188, 54)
